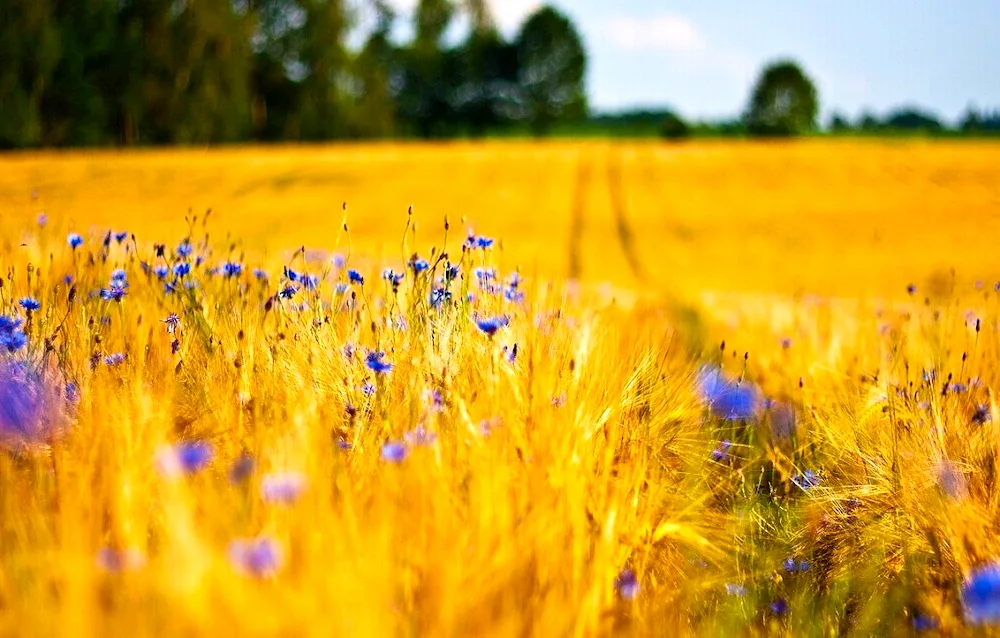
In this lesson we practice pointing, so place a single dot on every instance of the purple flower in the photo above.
(375, 361)
(627, 584)
(260, 274)
(721, 453)
(161, 271)
(32, 406)
(393, 452)
(921, 622)
(779, 607)
(116, 561)
(355, 277)
(184, 249)
(30, 304)
(12, 338)
(182, 269)
(282, 487)
(310, 282)
(74, 240)
(114, 359)
(259, 557)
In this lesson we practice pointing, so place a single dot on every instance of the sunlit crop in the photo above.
(581, 389)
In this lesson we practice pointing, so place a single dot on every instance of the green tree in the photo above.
(30, 50)
(429, 72)
(838, 124)
(326, 69)
(78, 105)
(210, 97)
(552, 64)
(673, 127)
(375, 69)
(784, 102)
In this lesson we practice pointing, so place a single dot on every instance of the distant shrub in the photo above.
(674, 128)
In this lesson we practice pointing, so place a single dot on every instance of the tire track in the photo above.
(578, 217)
(616, 185)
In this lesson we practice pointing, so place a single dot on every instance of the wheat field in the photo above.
(501, 389)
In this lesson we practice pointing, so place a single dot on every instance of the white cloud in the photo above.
(661, 32)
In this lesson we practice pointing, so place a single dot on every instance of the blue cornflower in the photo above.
(31, 406)
(340, 288)
(185, 249)
(510, 353)
(42, 219)
(451, 273)
(419, 265)
(161, 271)
(182, 269)
(122, 236)
(259, 557)
(376, 363)
(232, 269)
(393, 277)
(485, 274)
(282, 487)
(921, 622)
(114, 359)
(260, 274)
(981, 595)
(310, 282)
(9, 324)
(184, 458)
(29, 303)
(490, 325)
(288, 292)
(721, 452)
(172, 321)
(74, 240)
(13, 340)
(806, 480)
(119, 277)
(779, 607)
(355, 277)
(338, 261)
(727, 399)
(484, 242)
(513, 295)
(113, 293)
(439, 296)
(393, 452)
(791, 565)
(627, 585)
(291, 275)
(368, 388)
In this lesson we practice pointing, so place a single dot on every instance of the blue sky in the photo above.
(701, 56)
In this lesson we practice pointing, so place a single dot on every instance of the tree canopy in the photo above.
(784, 101)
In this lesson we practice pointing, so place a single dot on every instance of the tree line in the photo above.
(127, 72)
(132, 72)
